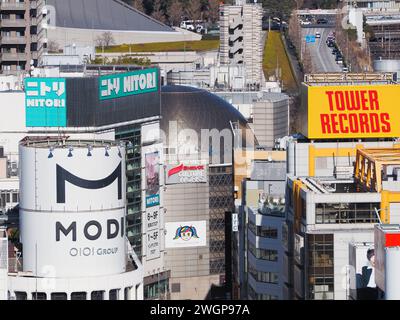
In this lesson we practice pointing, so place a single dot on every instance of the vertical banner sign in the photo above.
(152, 172)
(152, 218)
(127, 84)
(45, 102)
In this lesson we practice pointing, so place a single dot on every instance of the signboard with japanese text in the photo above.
(45, 102)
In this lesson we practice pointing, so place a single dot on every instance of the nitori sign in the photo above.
(45, 102)
(126, 84)
(176, 174)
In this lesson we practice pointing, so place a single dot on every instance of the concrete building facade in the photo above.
(241, 39)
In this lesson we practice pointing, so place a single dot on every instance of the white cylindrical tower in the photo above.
(72, 208)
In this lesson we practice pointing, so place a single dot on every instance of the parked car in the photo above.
(335, 51)
(339, 59)
(345, 69)
(304, 23)
(322, 21)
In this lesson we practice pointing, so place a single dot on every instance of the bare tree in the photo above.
(213, 10)
(295, 31)
(158, 13)
(106, 39)
(175, 12)
(53, 46)
(193, 10)
(138, 5)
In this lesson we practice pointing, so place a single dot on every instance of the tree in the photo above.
(53, 46)
(158, 13)
(279, 8)
(138, 5)
(175, 12)
(193, 10)
(213, 10)
(106, 39)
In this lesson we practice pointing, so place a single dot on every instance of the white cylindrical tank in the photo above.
(392, 275)
(72, 208)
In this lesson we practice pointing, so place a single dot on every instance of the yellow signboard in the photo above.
(367, 111)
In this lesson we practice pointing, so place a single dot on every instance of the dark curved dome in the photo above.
(198, 109)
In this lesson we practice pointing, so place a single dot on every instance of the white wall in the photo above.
(82, 37)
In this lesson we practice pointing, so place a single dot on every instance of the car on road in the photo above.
(322, 21)
(330, 44)
(339, 59)
(305, 22)
(318, 35)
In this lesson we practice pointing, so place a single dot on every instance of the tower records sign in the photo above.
(181, 173)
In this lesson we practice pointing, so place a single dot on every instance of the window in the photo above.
(263, 231)
(59, 296)
(126, 293)
(260, 296)
(320, 266)
(113, 294)
(39, 296)
(14, 197)
(338, 213)
(176, 287)
(78, 296)
(97, 295)
(21, 295)
(260, 276)
(264, 254)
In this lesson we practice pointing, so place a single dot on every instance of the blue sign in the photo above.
(153, 200)
(45, 102)
(310, 39)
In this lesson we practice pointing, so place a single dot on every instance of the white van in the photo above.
(188, 25)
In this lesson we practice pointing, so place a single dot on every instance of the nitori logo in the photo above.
(186, 233)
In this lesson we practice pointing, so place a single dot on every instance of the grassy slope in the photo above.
(202, 45)
(274, 48)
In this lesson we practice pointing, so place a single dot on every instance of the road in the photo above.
(321, 55)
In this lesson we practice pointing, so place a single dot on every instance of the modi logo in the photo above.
(186, 233)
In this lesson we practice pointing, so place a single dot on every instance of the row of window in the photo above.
(260, 276)
(264, 254)
(94, 295)
(263, 231)
(260, 296)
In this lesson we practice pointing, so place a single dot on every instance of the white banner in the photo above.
(185, 234)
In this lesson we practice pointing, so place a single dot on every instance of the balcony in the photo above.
(34, 21)
(13, 40)
(8, 23)
(12, 6)
(13, 57)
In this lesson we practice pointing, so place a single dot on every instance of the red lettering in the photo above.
(364, 123)
(364, 100)
(385, 119)
(329, 94)
(334, 123)
(374, 121)
(326, 127)
(342, 119)
(339, 99)
(353, 123)
(373, 100)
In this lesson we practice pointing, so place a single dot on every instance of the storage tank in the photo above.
(387, 65)
(72, 208)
